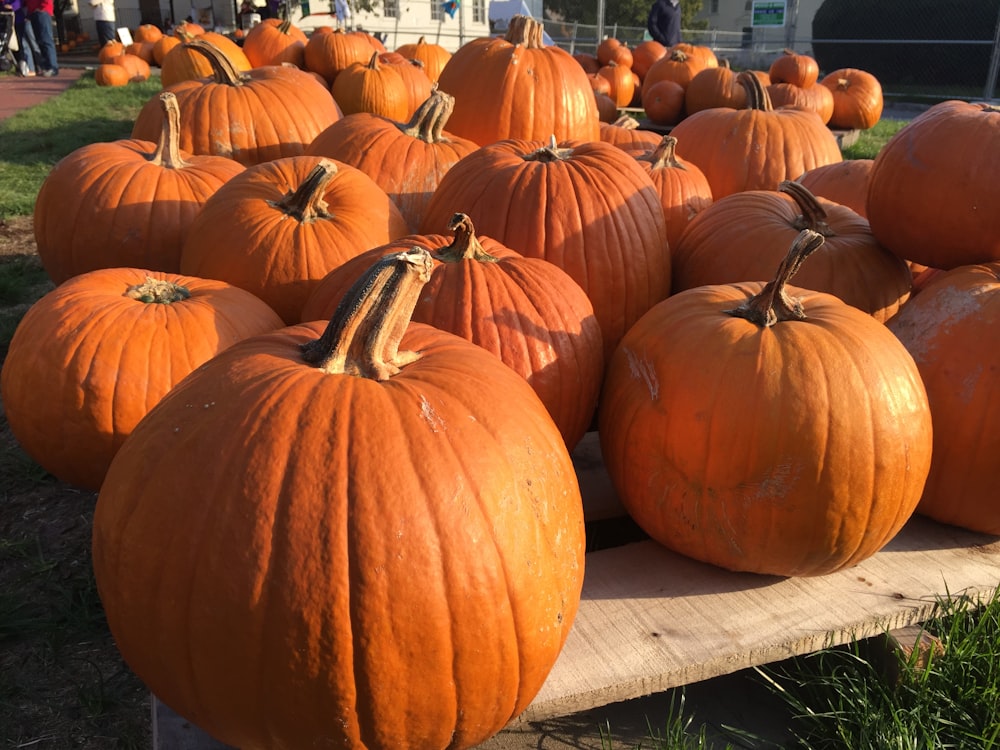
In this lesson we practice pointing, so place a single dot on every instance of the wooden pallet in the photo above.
(650, 620)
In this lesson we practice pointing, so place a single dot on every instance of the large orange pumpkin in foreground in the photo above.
(369, 538)
(765, 428)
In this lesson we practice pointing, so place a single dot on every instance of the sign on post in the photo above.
(768, 13)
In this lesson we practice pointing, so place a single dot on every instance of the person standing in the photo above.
(343, 13)
(27, 48)
(104, 17)
(664, 22)
(40, 17)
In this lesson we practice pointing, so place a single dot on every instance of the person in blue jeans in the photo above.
(27, 48)
(40, 18)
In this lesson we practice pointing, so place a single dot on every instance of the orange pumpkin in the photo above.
(740, 236)
(340, 474)
(281, 226)
(94, 355)
(611, 50)
(795, 68)
(127, 203)
(714, 87)
(372, 87)
(683, 188)
(264, 114)
(184, 62)
(857, 98)
(135, 66)
(526, 311)
(517, 87)
(818, 410)
(622, 82)
(331, 52)
(416, 83)
(586, 206)
(407, 160)
(146, 32)
(754, 148)
(626, 134)
(951, 329)
(111, 49)
(432, 57)
(111, 74)
(845, 182)
(932, 193)
(815, 98)
(663, 102)
(644, 54)
(274, 41)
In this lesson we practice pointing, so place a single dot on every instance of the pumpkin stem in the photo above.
(773, 304)
(466, 245)
(813, 214)
(306, 203)
(364, 333)
(626, 121)
(526, 31)
(427, 123)
(285, 26)
(757, 96)
(664, 156)
(168, 149)
(157, 291)
(549, 153)
(223, 69)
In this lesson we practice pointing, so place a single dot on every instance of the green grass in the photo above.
(871, 141)
(31, 142)
(867, 696)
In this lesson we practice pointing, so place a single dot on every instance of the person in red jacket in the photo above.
(40, 17)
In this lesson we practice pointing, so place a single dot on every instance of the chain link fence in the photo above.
(953, 53)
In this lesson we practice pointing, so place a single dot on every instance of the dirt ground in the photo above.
(63, 684)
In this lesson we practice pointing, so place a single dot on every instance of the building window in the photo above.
(392, 8)
(479, 11)
(714, 7)
(437, 12)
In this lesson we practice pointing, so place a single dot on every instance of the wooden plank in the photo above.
(651, 619)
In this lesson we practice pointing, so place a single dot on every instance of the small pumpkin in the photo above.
(432, 56)
(274, 41)
(111, 74)
(374, 88)
(795, 68)
(857, 98)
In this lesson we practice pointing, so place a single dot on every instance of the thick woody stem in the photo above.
(307, 203)
(664, 156)
(168, 149)
(813, 214)
(427, 123)
(773, 304)
(757, 96)
(223, 69)
(466, 245)
(526, 31)
(363, 336)
(157, 291)
(549, 153)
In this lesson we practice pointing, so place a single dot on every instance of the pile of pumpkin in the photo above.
(669, 84)
(326, 370)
